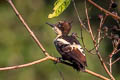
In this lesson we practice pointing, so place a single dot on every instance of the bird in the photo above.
(68, 46)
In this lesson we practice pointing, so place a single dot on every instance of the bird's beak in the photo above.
(52, 25)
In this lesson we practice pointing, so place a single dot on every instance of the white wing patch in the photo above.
(63, 41)
(74, 45)
(78, 47)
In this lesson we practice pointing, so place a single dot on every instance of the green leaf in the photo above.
(59, 7)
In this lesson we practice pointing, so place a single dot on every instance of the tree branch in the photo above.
(104, 10)
(95, 74)
(98, 53)
(81, 22)
(115, 61)
(24, 65)
(89, 26)
(45, 59)
(27, 27)
(29, 64)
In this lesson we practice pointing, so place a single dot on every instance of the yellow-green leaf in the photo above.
(59, 7)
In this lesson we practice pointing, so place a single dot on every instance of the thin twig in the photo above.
(98, 53)
(117, 51)
(27, 27)
(98, 36)
(24, 65)
(45, 59)
(102, 21)
(104, 10)
(82, 24)
(110, 60)
(106, 15)
(115, 61)
(97, 75)
(115, 45)
(105, 67)
(99, 32)
(30, 64)
(88, 71)
(89, 26)
(97, 44)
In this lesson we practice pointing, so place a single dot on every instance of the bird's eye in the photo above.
(59, 25)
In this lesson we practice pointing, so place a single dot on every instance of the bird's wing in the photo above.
(61, 47)
(71, 52)
(76, 53)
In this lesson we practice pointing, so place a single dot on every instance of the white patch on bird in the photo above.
(62, 40)
(74, 45)
(57, 31)
(77, 46)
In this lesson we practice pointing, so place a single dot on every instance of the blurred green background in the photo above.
(17, 47)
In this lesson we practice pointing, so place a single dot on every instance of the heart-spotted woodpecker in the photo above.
(68, 45)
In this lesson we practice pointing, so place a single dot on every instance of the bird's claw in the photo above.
(59, 59)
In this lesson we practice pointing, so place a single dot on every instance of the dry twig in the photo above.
(104, 10)
(28, 28)
(94, 41)
(115, 61)
(93, 73)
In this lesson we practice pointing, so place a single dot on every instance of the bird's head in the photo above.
(61, 27)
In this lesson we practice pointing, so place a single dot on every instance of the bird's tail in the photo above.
(78, 66)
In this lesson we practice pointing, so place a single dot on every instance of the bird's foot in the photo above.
(59, 60)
